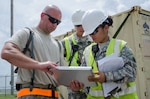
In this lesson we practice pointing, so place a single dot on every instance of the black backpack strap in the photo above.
(28, 42)
(27, 46)
(32, 56)
(74, 50)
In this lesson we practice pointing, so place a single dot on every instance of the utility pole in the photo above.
(11, 29)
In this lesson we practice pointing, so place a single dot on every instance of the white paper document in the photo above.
(110, 63)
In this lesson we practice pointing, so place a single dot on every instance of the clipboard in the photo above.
(65, 74)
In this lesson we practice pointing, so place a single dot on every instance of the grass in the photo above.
(2, 96)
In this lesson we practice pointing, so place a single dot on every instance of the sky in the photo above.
(27, 13)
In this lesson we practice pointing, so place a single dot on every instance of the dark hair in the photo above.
(108, 22)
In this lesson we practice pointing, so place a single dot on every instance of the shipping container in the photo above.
(133, 26)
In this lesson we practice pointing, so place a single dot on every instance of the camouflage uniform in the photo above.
(82, 43)
(128, 73)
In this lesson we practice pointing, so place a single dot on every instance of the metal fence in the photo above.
(5, 85)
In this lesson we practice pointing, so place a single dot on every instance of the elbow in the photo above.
(131, 80)
(4, 54)
(8, 51)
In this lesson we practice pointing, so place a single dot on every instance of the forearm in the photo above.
(14, 56)
(128, 72)
(23, 61)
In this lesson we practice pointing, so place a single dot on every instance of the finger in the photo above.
(81, 85)
(90, 78)
(96, 73)
(49, 68)
(72, 83)
(77, 84)
(52, 64)
(94, 79)
(52, 67)
(50, 72)
(55, 63)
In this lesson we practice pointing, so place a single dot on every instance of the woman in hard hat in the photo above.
(119, 74)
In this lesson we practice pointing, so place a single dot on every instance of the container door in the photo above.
(136, 32)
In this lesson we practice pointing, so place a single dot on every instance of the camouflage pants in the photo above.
(36, 97)
(78, 95)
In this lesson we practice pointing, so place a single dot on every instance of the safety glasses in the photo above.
(78, 25)
(95, 31)
(53, 20)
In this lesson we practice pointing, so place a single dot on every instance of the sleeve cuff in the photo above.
(109, 76)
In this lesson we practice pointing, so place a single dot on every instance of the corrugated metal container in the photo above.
(60, 37)
(136, 32)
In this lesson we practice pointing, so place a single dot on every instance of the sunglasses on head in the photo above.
(52, 20)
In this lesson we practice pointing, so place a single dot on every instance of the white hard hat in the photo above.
(77, 16)
(91, 20)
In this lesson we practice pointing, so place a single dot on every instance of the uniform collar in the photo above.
(83, 39)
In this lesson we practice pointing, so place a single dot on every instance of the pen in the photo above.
(51, 68)
(57, 62)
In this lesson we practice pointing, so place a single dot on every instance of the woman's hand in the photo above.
(76, 85)
(97, 77)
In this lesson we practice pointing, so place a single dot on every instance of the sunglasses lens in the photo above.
(95, 31)
(53, 20)
(77, 25)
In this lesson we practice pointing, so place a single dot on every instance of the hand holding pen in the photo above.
(50, 69)
(48, 66)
